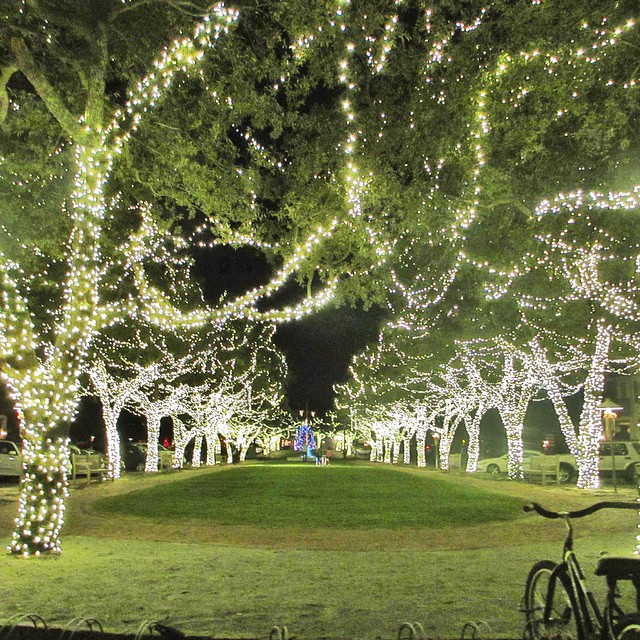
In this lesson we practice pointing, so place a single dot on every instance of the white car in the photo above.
(565, 464)
(499, 465)
(10, 459)
(625, 456)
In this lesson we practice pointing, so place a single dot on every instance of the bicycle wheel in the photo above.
(561, 621)
(627, 627)
(630, 632)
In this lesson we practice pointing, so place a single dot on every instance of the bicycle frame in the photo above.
(589, 619)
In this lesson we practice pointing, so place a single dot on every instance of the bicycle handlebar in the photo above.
(545, 513)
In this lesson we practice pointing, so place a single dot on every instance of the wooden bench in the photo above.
(81, 467)
(543, 467)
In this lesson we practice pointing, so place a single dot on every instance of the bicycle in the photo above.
(558, 603)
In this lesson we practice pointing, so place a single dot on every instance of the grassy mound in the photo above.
(337, 496)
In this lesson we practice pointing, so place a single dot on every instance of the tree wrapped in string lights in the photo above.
(368, 397)
(43, 356)
(456, 400)
(164, 393)
(548, 206)
(583, 322)
(500, 376)
(561, 117)
(114, 393)
(562, 373)
(61, 289)
(259, 388)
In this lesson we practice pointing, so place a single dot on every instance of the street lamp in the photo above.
(609, 408)
(436, 443)
(306, 415)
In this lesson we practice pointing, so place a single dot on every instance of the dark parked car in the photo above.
(362, 449)
(134, 456)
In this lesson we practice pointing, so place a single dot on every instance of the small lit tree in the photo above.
(501, 376)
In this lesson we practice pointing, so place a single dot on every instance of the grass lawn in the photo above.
(338, 496)
(219, 568)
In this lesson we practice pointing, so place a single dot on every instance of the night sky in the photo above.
(318, 349)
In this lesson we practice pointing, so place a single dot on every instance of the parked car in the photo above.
(362, 449)
(625, 455)
(499, 465)
(10, 459)
(133, 456)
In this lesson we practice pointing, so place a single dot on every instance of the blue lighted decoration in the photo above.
(305, 440)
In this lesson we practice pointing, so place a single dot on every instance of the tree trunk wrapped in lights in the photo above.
(406, 450)
(418, 422)
(583, 441)
(387, 444)
(421, 443)
(214, 449)
(112, 405)
(44, 394)
(451, 414)
(513, 419)
(196, 457)
(445, 436)
(377, 451)
(80, 315)
(217, 449)
(444, 449)
(591, 416)
(43, 492)
(472, 422)
(181, 437)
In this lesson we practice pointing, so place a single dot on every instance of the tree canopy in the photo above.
(390, 153)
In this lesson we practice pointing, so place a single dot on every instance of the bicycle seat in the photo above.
(619, 567)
